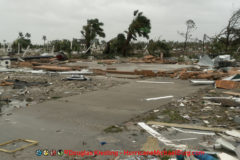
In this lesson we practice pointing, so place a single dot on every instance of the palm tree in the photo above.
(22, 41)
(91, 31)
(28, 35)
(140, 26)
(4, 44)
(20, 34)
(44, 39)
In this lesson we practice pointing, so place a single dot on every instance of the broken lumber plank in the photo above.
(233, 133)
(202, 82)
(52, 68)
(107, 61)
(4, 83)
(120, 72)
(223, 143)
(155, 82)
(184, 139)
(146, 73)
(192, 132)
(160, 137)
(187, 126)
(98, 71)
(157, 98)
(232, 93)
(209, 98)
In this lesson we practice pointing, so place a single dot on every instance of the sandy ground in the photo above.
(78, 122)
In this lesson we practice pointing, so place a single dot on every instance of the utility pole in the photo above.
(4, 43)
(203, 44)
(18, 48)
(71, 44)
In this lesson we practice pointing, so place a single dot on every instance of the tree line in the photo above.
(227, 41)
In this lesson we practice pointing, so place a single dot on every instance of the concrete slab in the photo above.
(68, 122)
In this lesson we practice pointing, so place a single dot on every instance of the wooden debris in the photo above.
(225, 156)
(24, 64)
(238, 151)
(5, 83)
(98, 72)
(157, 98)
(225, 144)
(202, 82)
(233, 133)
(152, 144)
(227, 84)
(120, 72)
(187, 126)
(53, 68)
(232, 93)
(30, 143)
(160, 137)
(155, 82)
(185, 74)
(146, 73)
(107, 61)
(192, 132)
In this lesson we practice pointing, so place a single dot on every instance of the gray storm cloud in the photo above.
(58, 19)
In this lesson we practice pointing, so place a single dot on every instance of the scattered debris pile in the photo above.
(207, 121)
(217, 62)
(192, 73)
(211, 105)
(152, 59)
(23, 89)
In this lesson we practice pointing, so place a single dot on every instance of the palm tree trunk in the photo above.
(88, 45)
(125, 47)
(44, 45)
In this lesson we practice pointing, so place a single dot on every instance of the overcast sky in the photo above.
(58, 19)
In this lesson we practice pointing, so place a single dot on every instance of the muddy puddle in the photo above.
(6, 106)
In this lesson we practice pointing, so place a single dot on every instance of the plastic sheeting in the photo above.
(206, 61)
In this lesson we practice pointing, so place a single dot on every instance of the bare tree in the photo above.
(191, 26)
(231, 31)
(203, 42)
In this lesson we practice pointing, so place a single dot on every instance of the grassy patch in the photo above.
(150, 117)
(113, 129)
(134, 134)
(55, 97)
(174, 116)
